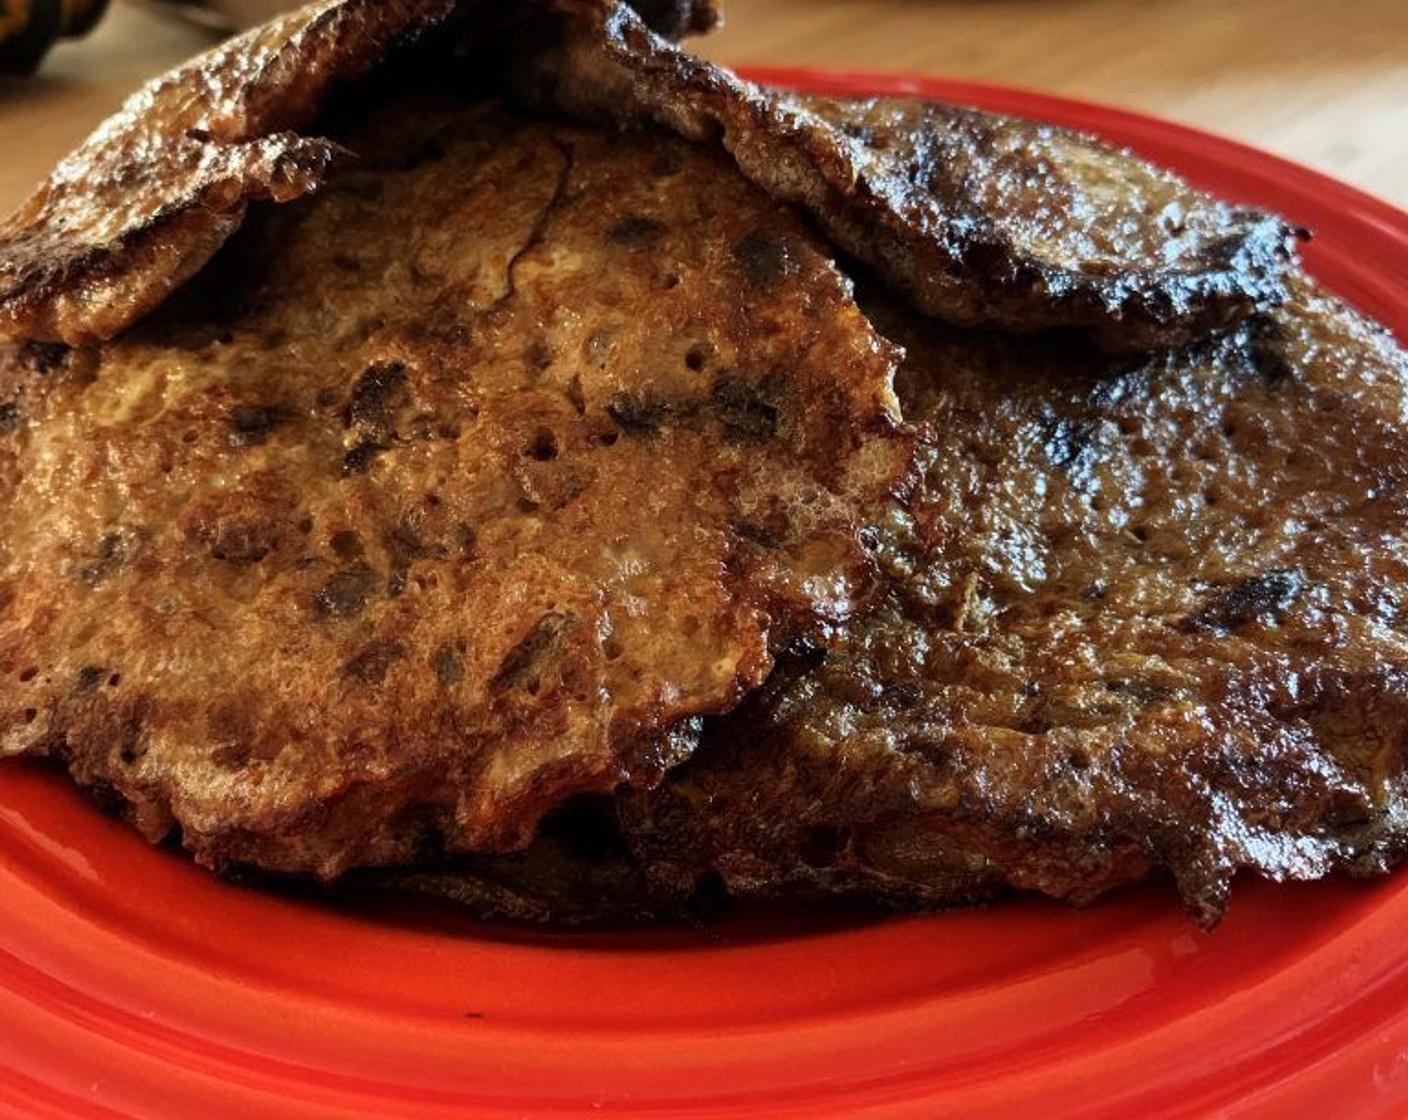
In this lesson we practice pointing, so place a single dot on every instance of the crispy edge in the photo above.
(601, 62)
(141, 205)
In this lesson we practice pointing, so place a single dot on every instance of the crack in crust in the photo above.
(146, 201)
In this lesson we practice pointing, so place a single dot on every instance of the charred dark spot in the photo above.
(1254, 599)
(1115, 386)
(743, 410)
(372, 662)
(859, 130)
(1274, 366)
(132, 730)
(469, 540)
(241, 540)
(540, 355)
(667, 163)
(44, 357)
(822, 846)
(1268, 353)
(696, 358)
(345, 262)
(638, 415)
(359, 459)
(758, 533)
(543, 446)
(346, 544)
(1078, 759)
(764, 260)
(375, 396)
(405, 546)
(9, 416)
(1140, 690)
(635, 232)
(525, 664)
(575, 395)
(250, 424)
(88, 678)
(114, 551)
(346, 593)
(906, 694)
(449, 669)
(1226, 253)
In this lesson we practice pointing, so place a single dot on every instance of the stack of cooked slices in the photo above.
(482, 448)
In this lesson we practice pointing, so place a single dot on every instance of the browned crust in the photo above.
(135, 211)
(1032, 227)
(956, 251)
(913, 191)
(149, 197)
(1153, 626)
(1080, 688)
(440, 496)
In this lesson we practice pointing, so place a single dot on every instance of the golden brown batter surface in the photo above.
(1147, 615)
(440, 496)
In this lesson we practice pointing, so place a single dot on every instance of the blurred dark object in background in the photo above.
(28, 28)
(677, 18)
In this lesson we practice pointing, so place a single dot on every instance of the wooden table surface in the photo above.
(1323, 82)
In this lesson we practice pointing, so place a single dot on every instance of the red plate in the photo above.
(134, 985)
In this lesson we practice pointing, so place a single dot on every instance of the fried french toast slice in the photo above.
(1146, 618)
(978, 219)
(453, 491)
